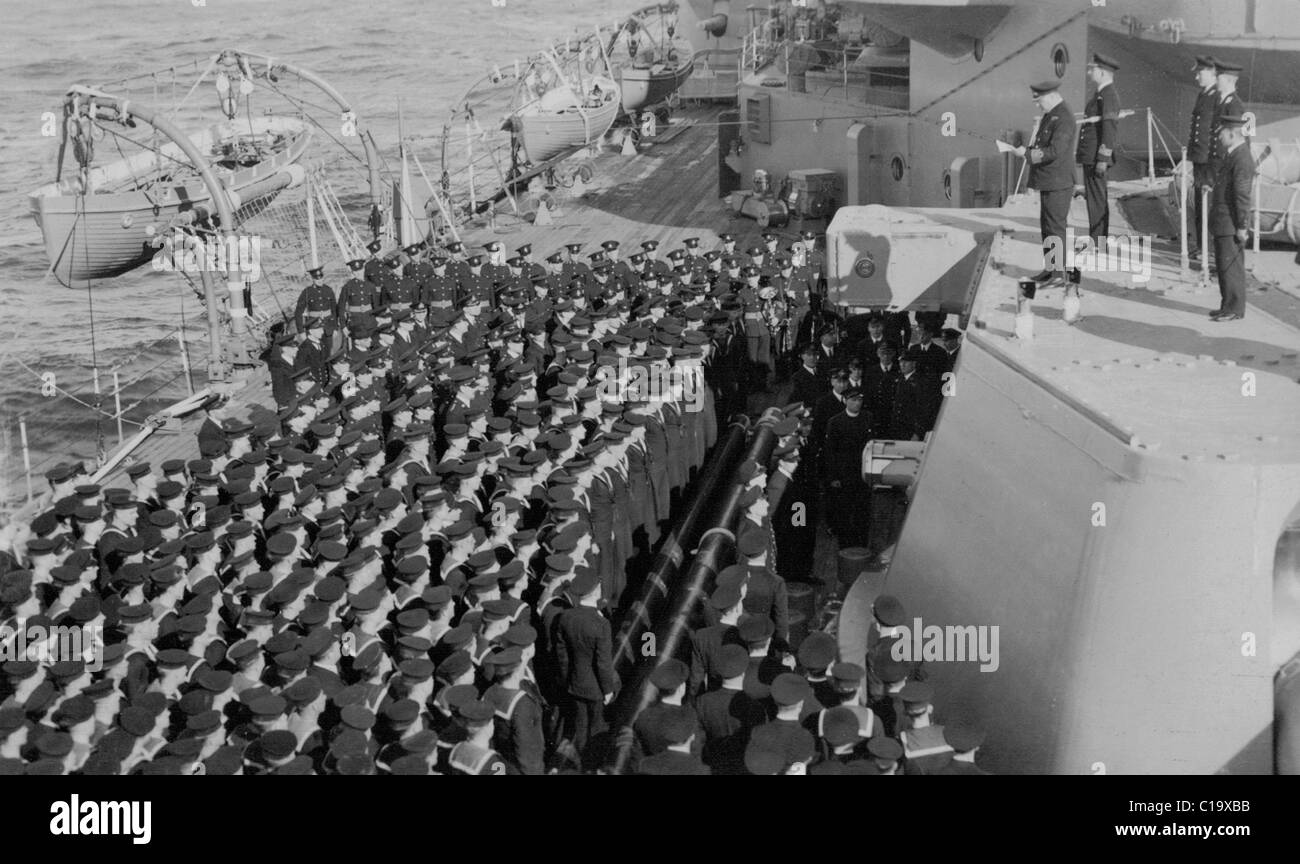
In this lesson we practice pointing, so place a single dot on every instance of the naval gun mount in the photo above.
(883, 258)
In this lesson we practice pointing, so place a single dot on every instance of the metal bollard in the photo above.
(852, 561)
(799, 624)
(802, 597)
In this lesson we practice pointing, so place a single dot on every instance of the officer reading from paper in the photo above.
(1051, 172)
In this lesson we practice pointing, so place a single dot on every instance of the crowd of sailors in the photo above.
(413, 562)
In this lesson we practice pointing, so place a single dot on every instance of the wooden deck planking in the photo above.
(667, 192)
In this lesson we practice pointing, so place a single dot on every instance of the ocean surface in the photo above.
(376, 52)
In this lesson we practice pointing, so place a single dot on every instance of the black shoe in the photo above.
(1218, 313)
(1229, 316)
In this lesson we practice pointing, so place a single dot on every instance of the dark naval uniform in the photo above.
(518, 728)
(913, 409)
(584, 654)
(477, 288)
(374, 269)
(357, 297)
(1095, 154)
(1229, 214)
(312, 357)
(847, 502)
(1051, 172)
(421, 272)
(316, 301)
(439, 292)
(1200, 144)
(400, 292)
(1227, 106)
(575, 270)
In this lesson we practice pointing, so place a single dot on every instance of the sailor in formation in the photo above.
(415, 566)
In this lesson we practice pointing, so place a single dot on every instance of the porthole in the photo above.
(1060, 59)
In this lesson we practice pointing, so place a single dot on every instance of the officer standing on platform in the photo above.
(1230, 215)
(1200, 141)
(1229, 105)
(1097, 145)
(1051, 172)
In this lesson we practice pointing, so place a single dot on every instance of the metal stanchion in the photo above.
(27, 458)
(185, 361)
(1024, 323)
(1205, 237)
(1255, 223)
(1151, 150)
(99, 453)
(1182, 210)
(117, 407)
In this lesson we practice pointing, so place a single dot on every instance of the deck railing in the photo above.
(825, 71)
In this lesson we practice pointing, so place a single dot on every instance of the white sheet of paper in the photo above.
(1004, 147)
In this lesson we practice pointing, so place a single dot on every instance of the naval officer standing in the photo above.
(1200, 140)
(316, 303)
(1051, 172)
(1230, 216)
(1096, 150)
(1229, 105)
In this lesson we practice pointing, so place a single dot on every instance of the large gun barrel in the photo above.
(717, 548)
(672, 551)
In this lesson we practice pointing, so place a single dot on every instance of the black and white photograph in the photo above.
(585, 387)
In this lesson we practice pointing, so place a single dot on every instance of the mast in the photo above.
(314, 261)
(409, 223)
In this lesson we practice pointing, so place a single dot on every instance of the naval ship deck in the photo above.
(1146, 360)
(667, 192)
(1144, 354)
